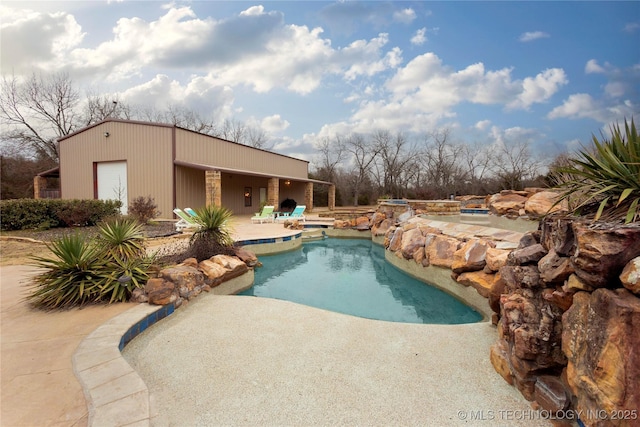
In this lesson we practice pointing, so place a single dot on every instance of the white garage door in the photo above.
(112, 182)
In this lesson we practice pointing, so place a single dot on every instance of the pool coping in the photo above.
(115, 393)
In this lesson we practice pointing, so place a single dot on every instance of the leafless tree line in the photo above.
(433, 166)
(35, 112)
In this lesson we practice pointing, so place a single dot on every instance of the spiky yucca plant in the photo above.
(122, 238)
(72, 276)
(605, 179)
(214, 235)
(80, 271)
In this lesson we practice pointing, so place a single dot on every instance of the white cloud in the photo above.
(583, 105)
(533, 35)
(274, 123)
(482, 124)
(434, 86)
(254, 48)
(539, 88)
(405, 16)
(593, 67)
(631, 27)
(419, 37)
(34, 39)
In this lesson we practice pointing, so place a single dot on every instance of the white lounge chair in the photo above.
(185, 221)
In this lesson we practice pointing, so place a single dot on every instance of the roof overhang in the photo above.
(51, 173)
(202, 166)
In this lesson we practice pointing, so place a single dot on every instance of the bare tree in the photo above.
(38, 111)
(440, 160)
(330, 155)
(362, 153)
(513, 164)
(396, 154)
(477, 167)
(238, 131)
(101, 107)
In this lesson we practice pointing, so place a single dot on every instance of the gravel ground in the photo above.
(162, 229)
(19, 251)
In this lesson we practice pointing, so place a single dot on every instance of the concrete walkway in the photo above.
(38, 386)
(239, 360)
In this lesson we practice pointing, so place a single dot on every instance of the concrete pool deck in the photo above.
(278, 363)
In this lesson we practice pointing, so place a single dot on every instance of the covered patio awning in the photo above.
(247, 172)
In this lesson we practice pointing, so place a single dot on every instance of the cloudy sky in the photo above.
(546, 73)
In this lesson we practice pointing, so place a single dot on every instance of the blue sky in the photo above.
(546, 73)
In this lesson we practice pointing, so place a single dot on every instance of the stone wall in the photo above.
(568, 334)
(180, 283)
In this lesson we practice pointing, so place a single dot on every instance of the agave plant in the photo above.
(82, 271)
(122, 238)
(72, 277)
(214, 235)
(607, 177)
(122, 277)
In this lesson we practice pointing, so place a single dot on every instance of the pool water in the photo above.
(351, 276)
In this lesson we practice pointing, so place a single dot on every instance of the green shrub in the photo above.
(72, 277)
(22, 214)
(122, 238)
(81, 271)
(143, 209)
(606, 179)
(214, 235)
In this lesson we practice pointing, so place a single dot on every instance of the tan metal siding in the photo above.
(147, 150)
(233, 186)
(201, 149)
(190, 188)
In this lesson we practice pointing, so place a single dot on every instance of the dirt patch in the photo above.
(19, 247)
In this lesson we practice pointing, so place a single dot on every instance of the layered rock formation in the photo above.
(185, 281)
(568, 329)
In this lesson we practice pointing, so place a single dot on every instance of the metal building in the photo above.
(121, 159)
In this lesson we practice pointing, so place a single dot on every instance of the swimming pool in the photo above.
(351, 276)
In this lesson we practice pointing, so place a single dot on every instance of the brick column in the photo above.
(273, 192)
(213, 188)
(332, 197)
(308, 196)
(38, 183)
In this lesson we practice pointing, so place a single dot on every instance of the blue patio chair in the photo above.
(296, 214)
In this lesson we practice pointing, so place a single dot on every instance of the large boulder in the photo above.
(471, 256)
(395, 240)
(160, 291)
(602, 252)
(247, 256)
(479, 280)
(382, 228)
(527, 255)
(630, 276)
(412, 240)
(601, 338)
(508, 203)
(557, 234)
(542, 203)
(554, 268)
(496, 258)
(441, 249)
(184, 276)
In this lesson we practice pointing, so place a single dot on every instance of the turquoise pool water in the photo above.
(351, 276)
